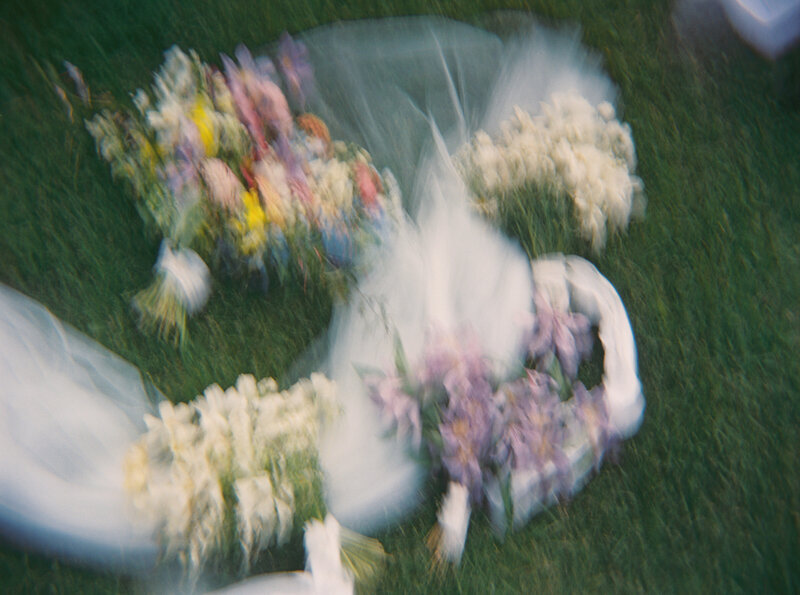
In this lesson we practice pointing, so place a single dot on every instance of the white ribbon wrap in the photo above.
(453, 517)
(570, 282)
(186, 275)
(324, 574)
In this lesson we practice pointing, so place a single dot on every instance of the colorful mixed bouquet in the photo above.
(484, 434)
(572, 148)
(220, 164)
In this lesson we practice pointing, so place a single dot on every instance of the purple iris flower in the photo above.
(467, 436)
(567, 334)
(295, 67)
(590, 408)
(448, 354)
(533, 431)
(437, 359)
(467, 410)
(398, 409)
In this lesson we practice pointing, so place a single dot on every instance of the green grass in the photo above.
(707, 495)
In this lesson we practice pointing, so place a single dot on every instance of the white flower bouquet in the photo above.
(231, 467)
(572, 149)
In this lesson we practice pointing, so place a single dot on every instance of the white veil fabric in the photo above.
(447, 272)
(69, 409)
(384, 84)
(411, 91)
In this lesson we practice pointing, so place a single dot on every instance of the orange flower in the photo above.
(315, 127)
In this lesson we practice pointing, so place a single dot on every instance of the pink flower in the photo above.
(224, 188)
(244, 105)
(368, 183)
(467, 430)
(266, 96)
(272, 106)
(295, 67)
(533, 433)
(301, 191)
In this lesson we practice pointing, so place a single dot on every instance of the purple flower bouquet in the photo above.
(517, 443)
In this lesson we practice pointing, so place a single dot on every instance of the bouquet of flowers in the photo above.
(221, 165)
(512, 444)
(236, 469)
(573, 149)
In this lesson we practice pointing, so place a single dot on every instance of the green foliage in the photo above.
(706, 497)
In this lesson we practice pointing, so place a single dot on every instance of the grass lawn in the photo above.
(706, 497)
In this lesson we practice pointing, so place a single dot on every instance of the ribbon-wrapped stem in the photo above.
(181, 288)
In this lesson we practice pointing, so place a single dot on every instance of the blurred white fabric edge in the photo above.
(590, 293)
(770, 26)
(69, 408)
(324, 574)
(575, 282)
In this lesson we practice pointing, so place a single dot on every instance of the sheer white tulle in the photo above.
(69, 409)
(384, 84)
(448, 272)
(411, 91)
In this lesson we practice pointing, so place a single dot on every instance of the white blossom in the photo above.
(255, 512)
(177, 473)
(572, 148)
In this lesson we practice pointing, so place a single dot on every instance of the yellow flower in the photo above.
(147, 154)
(254, 214)
(136, 468)
(272, 200)
(205, 126)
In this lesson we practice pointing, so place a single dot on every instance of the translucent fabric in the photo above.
(412, 91)
(387, 84)
(69, 409)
